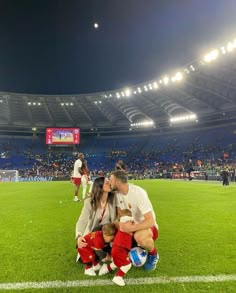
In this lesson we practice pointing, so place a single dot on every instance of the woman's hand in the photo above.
(81, 242)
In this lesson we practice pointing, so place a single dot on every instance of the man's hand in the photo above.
(81, 242)
(128, 227)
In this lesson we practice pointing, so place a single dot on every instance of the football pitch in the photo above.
(197, 240)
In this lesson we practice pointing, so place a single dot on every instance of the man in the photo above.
(120, 165)
(76, 178)
(145, 229)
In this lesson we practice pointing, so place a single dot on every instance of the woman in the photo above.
(99, 209)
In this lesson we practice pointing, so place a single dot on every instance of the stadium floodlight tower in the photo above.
(9, 176)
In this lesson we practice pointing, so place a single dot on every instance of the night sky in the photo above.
(52, 47)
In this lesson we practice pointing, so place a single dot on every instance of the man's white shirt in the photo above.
(77, 165)
(137, 201)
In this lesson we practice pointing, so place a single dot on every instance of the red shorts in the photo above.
(76, 181)
(154, 233)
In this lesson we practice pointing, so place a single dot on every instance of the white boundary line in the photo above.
(136, 281)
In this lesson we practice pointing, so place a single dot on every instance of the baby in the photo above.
(95, 242)
(120, 252)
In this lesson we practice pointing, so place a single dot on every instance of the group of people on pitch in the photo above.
(115, 217)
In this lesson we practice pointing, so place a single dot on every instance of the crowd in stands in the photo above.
(156, 157)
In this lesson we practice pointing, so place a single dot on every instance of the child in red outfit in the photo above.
(95, 242)
(120, 252)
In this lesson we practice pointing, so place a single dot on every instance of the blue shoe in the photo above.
(151, 262)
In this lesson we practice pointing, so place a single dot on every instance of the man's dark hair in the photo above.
(120, 175)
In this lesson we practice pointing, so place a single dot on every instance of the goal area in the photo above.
(9, 176)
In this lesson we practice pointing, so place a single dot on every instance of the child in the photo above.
(120, 252)
(95, 242)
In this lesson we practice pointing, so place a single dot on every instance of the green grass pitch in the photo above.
(197, 224)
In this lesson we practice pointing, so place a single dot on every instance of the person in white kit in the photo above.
(144, 227)
(76, 178)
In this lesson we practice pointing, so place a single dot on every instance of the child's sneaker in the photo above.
(103, 270)
(97, 267)
(90, 272)
(118, 281)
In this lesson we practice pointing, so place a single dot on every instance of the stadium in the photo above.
(175, 133)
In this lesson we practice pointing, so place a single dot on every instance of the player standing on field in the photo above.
(76, 178)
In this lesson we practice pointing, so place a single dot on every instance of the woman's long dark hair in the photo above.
(97, 191)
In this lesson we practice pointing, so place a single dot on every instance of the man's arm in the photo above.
(148, 222)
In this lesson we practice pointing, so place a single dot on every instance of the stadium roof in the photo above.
(207, 89)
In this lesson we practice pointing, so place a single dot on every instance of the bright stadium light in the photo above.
(223, 50)
(118, 95)
(155, 85)
(184, 118)
(211, 56)
(139, 90)
(177, 77)
(145, 88)
(166, 80)
(231, 46)
(143, 124)
(127, 92)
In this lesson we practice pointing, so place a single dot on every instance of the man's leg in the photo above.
(145, 238)
(77, 182)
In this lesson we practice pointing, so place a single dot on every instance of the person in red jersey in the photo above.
(96, 241)
(120, 251)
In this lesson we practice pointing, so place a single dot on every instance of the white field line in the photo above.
(138, 281)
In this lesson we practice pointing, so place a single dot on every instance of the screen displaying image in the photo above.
(60, 136)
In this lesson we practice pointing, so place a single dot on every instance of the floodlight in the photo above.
(223, 50)
(143, 123)
(139, 90)
(183, 118)
(166, 80)
(155, 85)
(127, 92)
